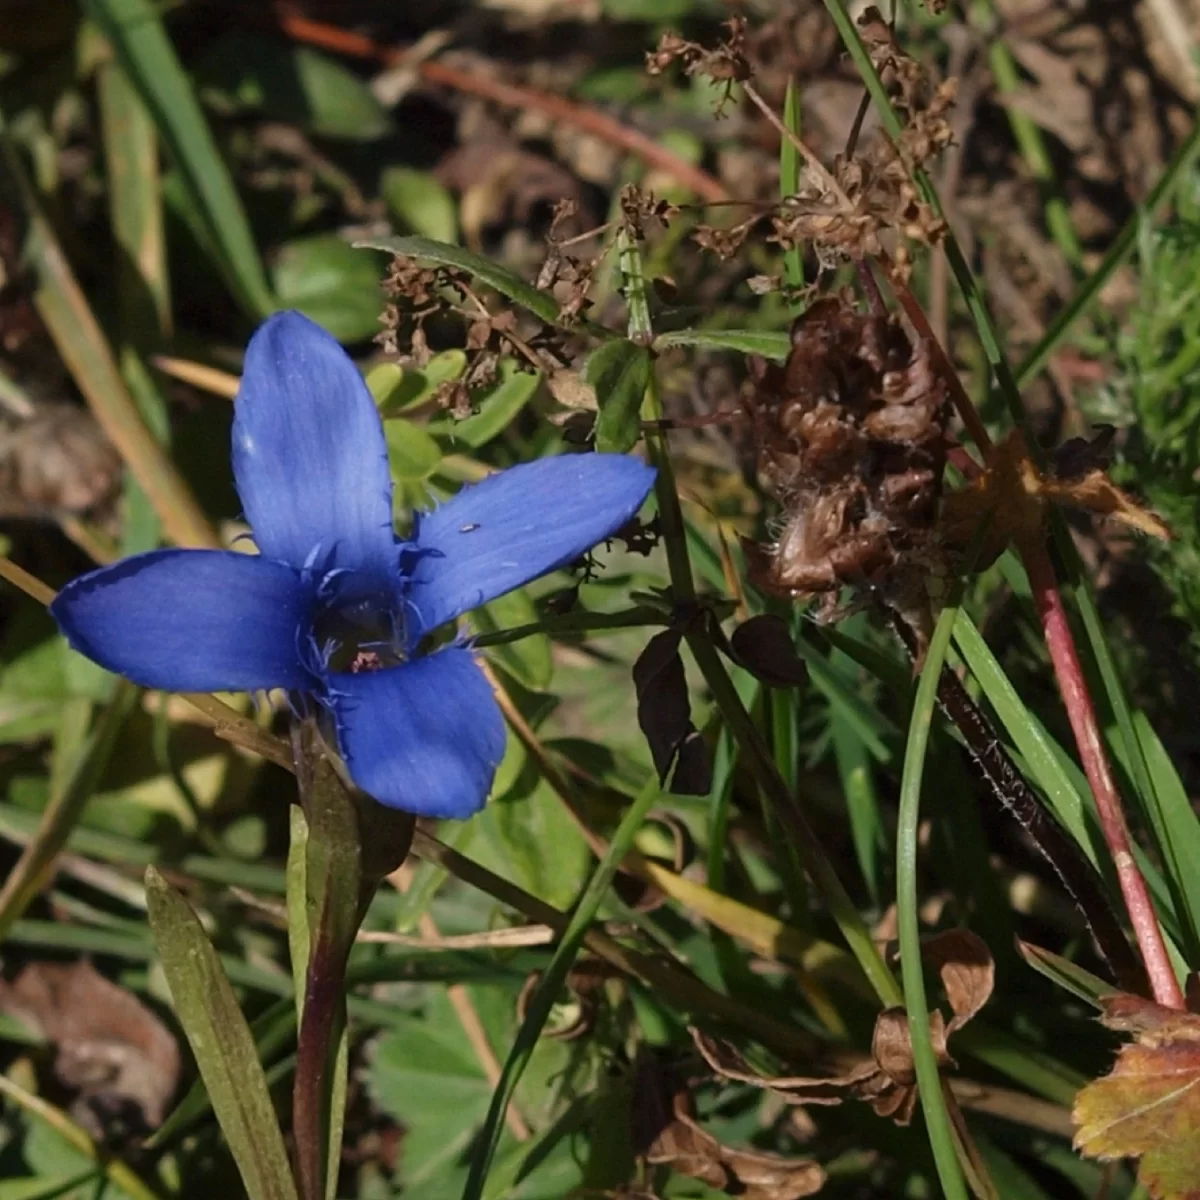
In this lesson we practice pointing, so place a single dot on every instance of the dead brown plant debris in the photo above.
(850, 441)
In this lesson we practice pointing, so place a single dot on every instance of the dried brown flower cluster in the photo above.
(850, 440)
(871, 190)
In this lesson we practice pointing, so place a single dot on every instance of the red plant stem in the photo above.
(344, 41)
(1082, 715)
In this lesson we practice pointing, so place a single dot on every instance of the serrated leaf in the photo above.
(420, 203)
(412, 452)
(767, 343)
(332, 283)
(1148, 1106)
(541, 304)
(620, 373)
(221, 1042)
(242, 72)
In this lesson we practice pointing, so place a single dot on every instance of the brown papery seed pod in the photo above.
(849, 436)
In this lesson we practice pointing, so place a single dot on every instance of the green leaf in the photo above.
(520, 824)
(332, 283)
(619, 372)
(527, 660)
(144, 50)
(420, 203)
(81, 756)
(221, 1042)
(241, 72)
(498, 406)
(765, 342)
(412, 452)
(1065, 974)
(415, 386)
(541, 304)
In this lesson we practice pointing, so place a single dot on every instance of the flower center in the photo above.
(365, 635)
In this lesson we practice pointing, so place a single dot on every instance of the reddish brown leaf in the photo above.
(1148, 1106)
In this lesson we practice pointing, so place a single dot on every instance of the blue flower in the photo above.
(335, 606)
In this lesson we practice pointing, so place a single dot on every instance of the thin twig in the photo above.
(509, 95)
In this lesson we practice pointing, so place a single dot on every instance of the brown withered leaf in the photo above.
(1013, 494)
(1148, 1106)
(115, 1056)
(887, 1079)
(665, 1132)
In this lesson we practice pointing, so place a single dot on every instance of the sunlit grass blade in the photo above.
(789, 181)
(134, 207)
(135, 31)
(540, 1003)
(61, 303)
(122, 1177)
(87, 753)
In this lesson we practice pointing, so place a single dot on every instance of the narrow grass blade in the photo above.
(1172, 823)
(81, 343)
(70, 790)
(1029, 737)
(543, 998)
(929, 1081)
(222, 1043)
(136, 33)
(862, 802)
(134, 206)
(789, 181)
(765, 342)
(1117, 253)
(1065, 974)
(118, 1173)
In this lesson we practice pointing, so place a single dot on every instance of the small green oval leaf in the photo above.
(498, 406)
(620, 373)
(420, 203)
(416, 386)
(331, 283)
(242, 72)
(412, 452)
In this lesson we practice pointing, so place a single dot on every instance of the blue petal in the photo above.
(191, 620)
(518, 524)
(425, 737)
(308, 453)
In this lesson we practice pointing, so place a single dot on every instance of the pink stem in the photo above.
(1082, 715)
